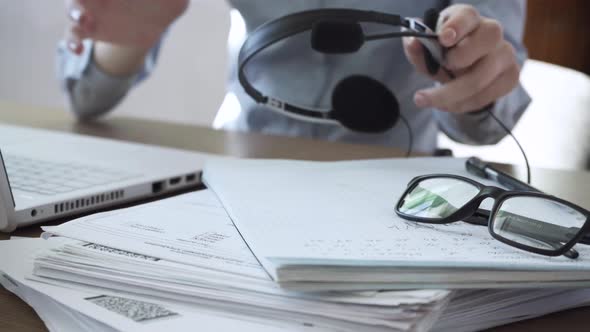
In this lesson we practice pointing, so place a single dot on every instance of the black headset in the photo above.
(359, 103)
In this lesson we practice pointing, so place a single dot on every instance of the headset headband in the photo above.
(290, 25)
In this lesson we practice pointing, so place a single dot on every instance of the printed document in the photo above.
(153, 250)
(303, 218)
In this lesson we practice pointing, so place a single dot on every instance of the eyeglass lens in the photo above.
(537, 222)
(437, 198)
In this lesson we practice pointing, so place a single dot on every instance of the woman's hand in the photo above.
(484, 63)
(134, 24)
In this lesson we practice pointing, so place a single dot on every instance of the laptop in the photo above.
(46, 175)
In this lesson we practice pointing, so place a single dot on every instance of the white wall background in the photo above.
(188, 85)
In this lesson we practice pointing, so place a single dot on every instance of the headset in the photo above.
(359, 103)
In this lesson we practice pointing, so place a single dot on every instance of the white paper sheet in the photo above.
(214, 265)
(125, 311)
(469, 311)
(56, 316)
(166, 230)
(191, 229)
(342, 214)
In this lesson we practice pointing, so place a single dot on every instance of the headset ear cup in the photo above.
(363, 104)
(431, 20)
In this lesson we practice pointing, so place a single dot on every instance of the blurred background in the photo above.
(189, 83)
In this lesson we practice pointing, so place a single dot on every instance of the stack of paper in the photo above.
(89, 308)
(476, 310)
(75, 307)
(183, 257)
(180, 264)
(332, 226)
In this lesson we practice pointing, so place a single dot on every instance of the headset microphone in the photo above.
(337, 37)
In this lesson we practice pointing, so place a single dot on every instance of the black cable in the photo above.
(509, 132)
(410, 134)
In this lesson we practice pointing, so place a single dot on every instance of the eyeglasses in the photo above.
(527, 220)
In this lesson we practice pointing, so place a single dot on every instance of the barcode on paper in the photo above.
(138, 311)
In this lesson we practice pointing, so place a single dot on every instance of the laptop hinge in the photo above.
(7, 204)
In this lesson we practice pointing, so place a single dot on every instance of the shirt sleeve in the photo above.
(480, 128)
(92, 92)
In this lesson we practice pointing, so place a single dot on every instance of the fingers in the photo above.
(74, 40)
(470, 87)
(415, 54)
(458, 21)
(483, 40)
(459, 31)
(499, 87)
(74, 33)
(484, 64)
(81, 25)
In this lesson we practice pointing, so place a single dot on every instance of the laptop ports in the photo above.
(175, 181)
(157, 187)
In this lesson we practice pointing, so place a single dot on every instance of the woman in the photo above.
(113, 45)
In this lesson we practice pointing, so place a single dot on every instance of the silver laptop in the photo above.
(45, 174)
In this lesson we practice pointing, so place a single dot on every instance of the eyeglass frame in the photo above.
(470, 212)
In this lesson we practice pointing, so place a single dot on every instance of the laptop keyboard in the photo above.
(50, 178)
